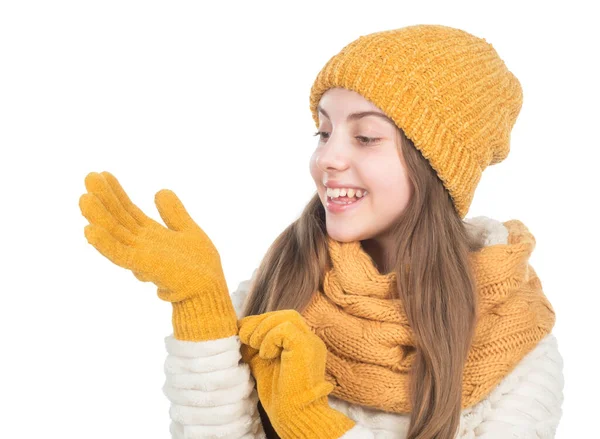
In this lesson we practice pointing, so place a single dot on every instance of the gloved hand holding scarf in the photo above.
(179, 259)
(287, 361)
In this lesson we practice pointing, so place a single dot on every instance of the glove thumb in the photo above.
(172, 211)
(248, 353)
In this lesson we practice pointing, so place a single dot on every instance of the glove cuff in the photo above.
(206, 316)
(315, 421)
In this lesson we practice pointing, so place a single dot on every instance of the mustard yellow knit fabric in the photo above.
(180, 259)
(371, 345)
(448, 90)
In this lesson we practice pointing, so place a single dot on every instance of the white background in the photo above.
(210, 99)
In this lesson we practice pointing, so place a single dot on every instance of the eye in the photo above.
(362, 139)
(367, 140)
(320, 134)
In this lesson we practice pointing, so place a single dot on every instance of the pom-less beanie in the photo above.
(448, 90)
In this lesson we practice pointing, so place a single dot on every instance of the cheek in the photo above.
(390, 186)
(313, 163)
(314, 170)
(400, 196)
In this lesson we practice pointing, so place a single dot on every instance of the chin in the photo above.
(343, 235)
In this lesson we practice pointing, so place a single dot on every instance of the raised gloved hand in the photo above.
(179, 259)
(287, 361)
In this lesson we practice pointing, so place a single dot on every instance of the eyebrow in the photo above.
(359, 115)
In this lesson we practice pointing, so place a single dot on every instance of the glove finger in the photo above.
(171, 295)
(108, 246)
(134, 211)
(141, 276)
(97, 184)
(284, 336)
(94, 211)
(273, 319)
(173, 213)
(247, 326)
(252, 329)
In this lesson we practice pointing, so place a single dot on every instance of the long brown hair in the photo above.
(434, 282)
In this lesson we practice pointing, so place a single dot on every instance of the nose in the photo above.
(332, 156)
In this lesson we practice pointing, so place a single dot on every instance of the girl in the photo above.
(381, 312)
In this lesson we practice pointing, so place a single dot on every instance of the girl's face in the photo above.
(345, 154)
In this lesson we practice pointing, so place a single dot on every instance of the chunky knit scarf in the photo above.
(369, 340)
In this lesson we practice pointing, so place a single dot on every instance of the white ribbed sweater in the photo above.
(212, 392)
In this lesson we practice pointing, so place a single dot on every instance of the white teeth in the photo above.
(343, 192)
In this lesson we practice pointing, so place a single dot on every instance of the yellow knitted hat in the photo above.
(448, 90)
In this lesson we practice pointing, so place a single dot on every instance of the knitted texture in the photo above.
(288, 363)
(448, 90)
(179, 259)
(371, 346)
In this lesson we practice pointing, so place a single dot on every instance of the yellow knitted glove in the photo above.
(287, 361)
(179, 259)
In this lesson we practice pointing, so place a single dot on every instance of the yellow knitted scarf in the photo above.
(371, 345)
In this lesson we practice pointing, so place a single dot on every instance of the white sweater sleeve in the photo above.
(211, 391)
(358, 432)
(527, 404)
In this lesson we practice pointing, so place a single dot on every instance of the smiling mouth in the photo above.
(344, 200)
